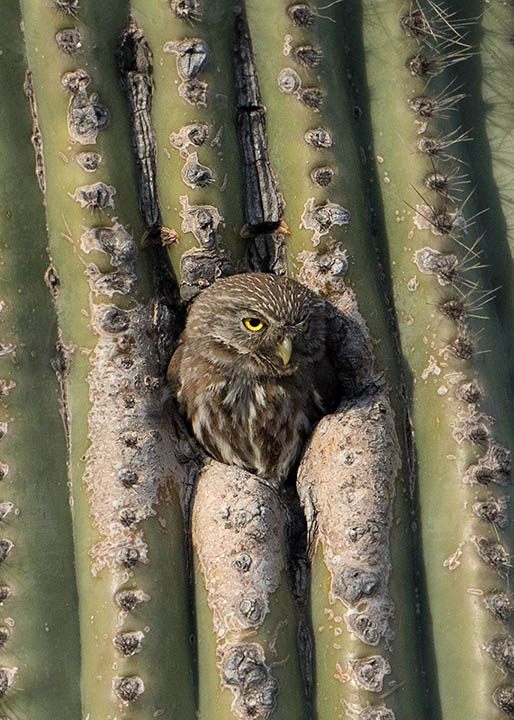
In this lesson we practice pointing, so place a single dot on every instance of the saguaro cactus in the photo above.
(150, 147)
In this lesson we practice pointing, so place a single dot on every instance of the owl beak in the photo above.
(284, 350)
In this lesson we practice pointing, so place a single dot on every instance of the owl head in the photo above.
(264, 324)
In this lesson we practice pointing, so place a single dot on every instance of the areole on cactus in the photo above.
(150, 147)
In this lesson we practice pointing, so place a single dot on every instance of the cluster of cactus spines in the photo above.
(462, 466)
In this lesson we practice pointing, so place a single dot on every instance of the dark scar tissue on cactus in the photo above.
(127, 516)
(86, 116)
(445, 266)
(416, 24)
(301, 14)
(493, 467)
(447, 183)
(493, 554)
(7, 678)
(369, 672)
(322, 176)
(194, 134)
(194, 174)
(69, 40)
(127, 477)
(129, 557)
(469, 392)
(470, 304)
(114, 241)
(192, 56)
(463, 346)
(89, 161)
(6, 547)
(129, 643)
(255, 699)
(427, 66)
(128, 600)
(68, 7)
(435, 26)
(94, 197)
(371, 712)
(319, 138)
(4, 636)
(194, 92)
(128, 688)
(36, 137)
(312, 97)
(186, 9)
(493, 510)
(321, 218)
(200, 267)
(267, 253)
(307, 55)
(499, 604)
(201, 220)
(501, 650)
(102, 283)
(503, 698)
(454, 308)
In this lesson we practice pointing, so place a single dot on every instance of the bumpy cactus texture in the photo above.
(149, 147)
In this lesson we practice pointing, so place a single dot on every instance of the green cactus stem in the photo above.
(132, 586)
(488, 110)
(432, 237)
(39, 631)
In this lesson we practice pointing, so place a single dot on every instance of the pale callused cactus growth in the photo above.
(356, 146)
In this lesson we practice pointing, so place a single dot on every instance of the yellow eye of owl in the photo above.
(254, 324)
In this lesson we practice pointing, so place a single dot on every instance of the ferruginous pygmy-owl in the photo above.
(251, 371)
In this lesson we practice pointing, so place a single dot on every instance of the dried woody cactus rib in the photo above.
(263, 204)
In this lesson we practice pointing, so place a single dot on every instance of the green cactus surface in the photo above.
(363, 147)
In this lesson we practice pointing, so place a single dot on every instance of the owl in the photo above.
(251, 372)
